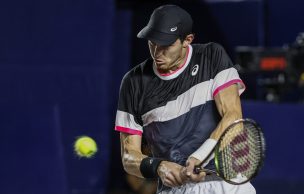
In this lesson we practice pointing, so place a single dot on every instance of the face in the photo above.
(168, 58)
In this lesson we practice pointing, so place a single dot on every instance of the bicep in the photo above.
(228, 104)
(228, 101)
(130, 142)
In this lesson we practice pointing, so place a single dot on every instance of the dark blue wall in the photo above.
(56, 83)
(285, 21)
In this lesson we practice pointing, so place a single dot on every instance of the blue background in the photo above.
(61, 63)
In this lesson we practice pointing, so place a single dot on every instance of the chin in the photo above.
(163, 68)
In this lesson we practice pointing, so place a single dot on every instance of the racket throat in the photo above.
(198, 170)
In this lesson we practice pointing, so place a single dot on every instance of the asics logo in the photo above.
(173, 29)
(194, 70)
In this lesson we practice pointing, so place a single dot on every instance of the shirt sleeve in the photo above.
(225, 73)
(127, 119)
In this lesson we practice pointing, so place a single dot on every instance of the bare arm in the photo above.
(131, 154)
(228, 104)
(229, 107)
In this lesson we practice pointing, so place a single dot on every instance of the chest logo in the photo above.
(194, 70)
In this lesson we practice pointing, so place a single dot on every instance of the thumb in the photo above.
(183, 172)
(189, 169)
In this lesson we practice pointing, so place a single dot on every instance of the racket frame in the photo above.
(215, 150)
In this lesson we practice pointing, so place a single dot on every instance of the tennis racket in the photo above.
(238, 154)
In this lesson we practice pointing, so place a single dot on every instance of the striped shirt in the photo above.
(176, 112)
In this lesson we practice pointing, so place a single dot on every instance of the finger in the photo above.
(198, 177)
(183, 171)
(178, 178)
(187, 163)
(189, 170)
(183, 174)
(168, 183)
(175, 179)
(172, 180)
(195, 179)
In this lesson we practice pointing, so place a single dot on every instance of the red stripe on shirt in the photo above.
(225, 85)
(128, 130)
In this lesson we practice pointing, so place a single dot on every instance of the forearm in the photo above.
(226, 120)
(131, 162)
(131, 154)
(229, 107)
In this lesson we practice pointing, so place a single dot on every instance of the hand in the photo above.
(170, 173)
(188, 171)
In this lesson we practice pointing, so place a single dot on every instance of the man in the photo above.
(181, 99)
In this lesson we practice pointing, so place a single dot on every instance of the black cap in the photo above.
(167, 23)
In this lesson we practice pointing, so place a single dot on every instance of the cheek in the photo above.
(175, 53)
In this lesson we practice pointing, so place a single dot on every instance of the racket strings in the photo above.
(240, 151)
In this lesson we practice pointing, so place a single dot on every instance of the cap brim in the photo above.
(159, 38)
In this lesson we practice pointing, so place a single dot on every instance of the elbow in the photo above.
(131, 164)
(128, 162)
(233, 115)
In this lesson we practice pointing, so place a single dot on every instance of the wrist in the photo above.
(149, 167)
(202, 152)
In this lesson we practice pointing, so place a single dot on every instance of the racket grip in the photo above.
(197, 169)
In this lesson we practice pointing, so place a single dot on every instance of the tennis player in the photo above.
(180, 100)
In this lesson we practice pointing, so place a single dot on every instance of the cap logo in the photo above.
(173, 29)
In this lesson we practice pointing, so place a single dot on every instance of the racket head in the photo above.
(240, 152)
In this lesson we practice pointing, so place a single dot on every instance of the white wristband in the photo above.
(202, 152)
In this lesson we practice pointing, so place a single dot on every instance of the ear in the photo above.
(188, 40)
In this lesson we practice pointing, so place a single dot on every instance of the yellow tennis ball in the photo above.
(85, 147)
